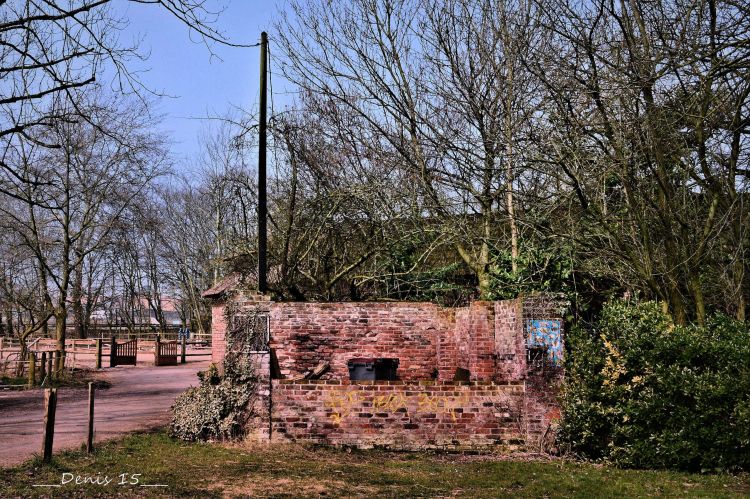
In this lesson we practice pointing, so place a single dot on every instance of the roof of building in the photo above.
(220, 288)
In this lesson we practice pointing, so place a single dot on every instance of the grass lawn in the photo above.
(205, 470)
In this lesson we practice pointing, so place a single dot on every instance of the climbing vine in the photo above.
(220, 406)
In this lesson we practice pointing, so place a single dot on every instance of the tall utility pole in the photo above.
(262, 202)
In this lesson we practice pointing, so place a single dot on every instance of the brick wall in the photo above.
(258, 426)
(218, 332)
(475, 328)
(510, 347)
(541, 404)
(306, 334)
(400, 415)
(487, 338)
(238, 304)
(449, 346)
(508, 402)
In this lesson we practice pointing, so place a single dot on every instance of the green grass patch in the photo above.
(76, 378)
(288, 470)
(13, 380)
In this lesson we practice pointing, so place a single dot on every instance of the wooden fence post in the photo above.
(90, 438)
(49, 365)
(43, 367)
(98, 354)
(112, 352)
(32, 369)
(157, 345)
(184, 346)
(50, 404)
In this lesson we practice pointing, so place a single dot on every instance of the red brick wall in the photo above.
(541, 404)
(258, 425)
(448, 346)
(487, 338)
(510, 347)
(479, 332)
(240, 303)
(482, 338)
(400, 415)
(218, 332)
(306, 334)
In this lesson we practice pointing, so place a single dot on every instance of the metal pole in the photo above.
(262, 202)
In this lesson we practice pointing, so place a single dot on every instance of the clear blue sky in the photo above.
(202, 85)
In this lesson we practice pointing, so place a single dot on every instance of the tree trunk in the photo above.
(700, 305)
(61, 321)
(78, 312)
(676, 306)
(9, 322)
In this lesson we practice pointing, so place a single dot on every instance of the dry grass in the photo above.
(214, 470)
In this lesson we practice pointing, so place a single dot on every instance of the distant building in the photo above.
(140, 313)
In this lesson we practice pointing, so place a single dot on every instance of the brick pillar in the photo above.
(258, 425)
(218, 332)
(510, 347)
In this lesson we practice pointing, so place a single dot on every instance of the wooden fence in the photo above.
(165, 353)
(35, 367)
(141, 333)
(88, 353)
(123, 354)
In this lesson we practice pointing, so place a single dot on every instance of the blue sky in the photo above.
(201, 85)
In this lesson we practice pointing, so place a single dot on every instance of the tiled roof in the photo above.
(229, 282)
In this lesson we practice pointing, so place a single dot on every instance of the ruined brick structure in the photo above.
(509, 401)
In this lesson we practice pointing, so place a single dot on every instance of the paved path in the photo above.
(139, 399)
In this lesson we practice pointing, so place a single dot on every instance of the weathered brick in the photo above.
(505, 403)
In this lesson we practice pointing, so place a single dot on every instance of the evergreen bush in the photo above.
(642, 392)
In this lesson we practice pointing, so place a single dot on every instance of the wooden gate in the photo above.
(165, 353)
(123, 354)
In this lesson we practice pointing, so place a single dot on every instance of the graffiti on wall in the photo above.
(546, 334)
(343, 404)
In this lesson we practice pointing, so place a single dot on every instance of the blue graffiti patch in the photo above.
(546, 334)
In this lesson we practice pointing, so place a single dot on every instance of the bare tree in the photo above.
(52, 50)
(648, 112)
(86, 186)
(441, 86)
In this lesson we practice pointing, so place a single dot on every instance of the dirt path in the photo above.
(139, 398)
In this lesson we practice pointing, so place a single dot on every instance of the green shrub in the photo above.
(642, 393)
